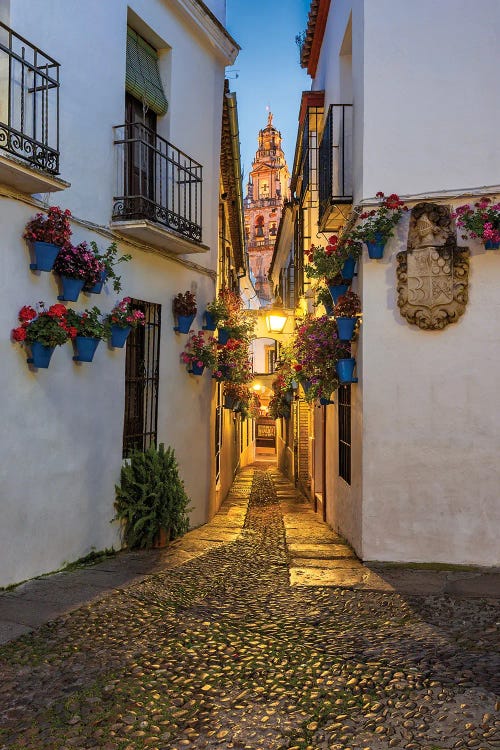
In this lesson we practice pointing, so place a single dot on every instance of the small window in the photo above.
(344, 397)
(141, 381)
(142, 78)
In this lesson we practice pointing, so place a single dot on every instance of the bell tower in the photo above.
(267, 190)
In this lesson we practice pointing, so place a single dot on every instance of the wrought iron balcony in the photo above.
(156, 182)
(335, 162)
(29, 102)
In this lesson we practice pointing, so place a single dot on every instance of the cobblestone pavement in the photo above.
(222, 652)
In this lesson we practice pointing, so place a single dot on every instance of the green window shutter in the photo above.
(142, 78)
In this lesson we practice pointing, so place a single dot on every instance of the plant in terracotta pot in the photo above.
(480, 221)
(77, 266)
(378, 224)
(199, 352)
(151, 502)
(184, 308)
(123, 318)
(107, 261)
(47, 234)
(346, 313)
(91, 328)
(42, 330)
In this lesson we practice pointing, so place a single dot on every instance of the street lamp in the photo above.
(276, 317)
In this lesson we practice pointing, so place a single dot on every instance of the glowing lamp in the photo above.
(276, 317)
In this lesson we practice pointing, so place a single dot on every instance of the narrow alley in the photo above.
(216, 648)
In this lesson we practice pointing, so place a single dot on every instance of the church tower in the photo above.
(267, 190)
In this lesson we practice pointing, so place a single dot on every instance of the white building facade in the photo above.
(65, 429)
(410, 115)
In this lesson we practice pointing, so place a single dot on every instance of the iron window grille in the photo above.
(344, 399)
(309, 151)
(218, 432)
(156, 181)
(335, 160)
(29, 102)
(140, 426)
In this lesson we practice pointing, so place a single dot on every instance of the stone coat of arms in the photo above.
(433, 273)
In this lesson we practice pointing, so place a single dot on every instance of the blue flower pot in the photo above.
(337, 291)
(490, 245)
(306, 385)
(196, 369)
(183, 323)
(345, 370)
(40, 354)
(224, 335)
(85, 348)
(325, 401)
(376, 248)
(71, 289)
(345, 328)
(97, 288)
(119, 335)
(231, 403)
(45, 255)
(210, 322)
(348, 269)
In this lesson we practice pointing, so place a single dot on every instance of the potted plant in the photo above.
(184, 307)
(235, 322)
(107, 262)
(481, 221)
(317, 348)
(42, 330)
(345, 365)
(347, 312)
(76, 266)
(236, 396)
(216, 312)
(47, 234)
(323, 297)
(121, 320)
(379, 224)
(151, 501)
(90, 330)
(233, 362)
(199, 352)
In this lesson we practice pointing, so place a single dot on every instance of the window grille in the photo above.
(218, 432)
(344, 399)
(141, 380)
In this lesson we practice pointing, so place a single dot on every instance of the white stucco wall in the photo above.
(62, 439)
(430, 422)
(431, 104)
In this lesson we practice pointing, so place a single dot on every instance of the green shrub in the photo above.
(151, 496)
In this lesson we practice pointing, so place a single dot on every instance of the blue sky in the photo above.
(269, 73)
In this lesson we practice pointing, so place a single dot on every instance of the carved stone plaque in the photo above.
(433, 274)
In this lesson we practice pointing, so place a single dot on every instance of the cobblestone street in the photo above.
(221, 651)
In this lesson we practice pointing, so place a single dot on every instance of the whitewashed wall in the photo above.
(62, 439)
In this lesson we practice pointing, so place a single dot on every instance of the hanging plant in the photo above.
(480, 221)
(107, 262)
(42, 330)
(199, 352)
(317, 349)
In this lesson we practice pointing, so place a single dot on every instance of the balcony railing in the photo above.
(156, 182)
(335, 160)
(29, 102)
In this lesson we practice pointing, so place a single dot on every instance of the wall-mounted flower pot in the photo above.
(224, 335)
(40, 355)
(183, 323)
(328, 308)
(85, 348)
(345, 328)
(345, 370)
(119, 335)
(376, 248)
(490, 245)
(306, 385)
(337, 290)
(348, 269)
(71, 289)
(97, 288)
(325, 401)
(210, 322)
(45, 255)
(196, 369)
(231, 403)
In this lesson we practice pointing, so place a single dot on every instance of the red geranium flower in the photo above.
(19, 334)
(57, 311)
(26, 314)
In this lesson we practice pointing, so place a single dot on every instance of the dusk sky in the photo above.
(268, 68)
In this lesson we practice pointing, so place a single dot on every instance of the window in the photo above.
(259, 226)
(141, 380)
(344, 397)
